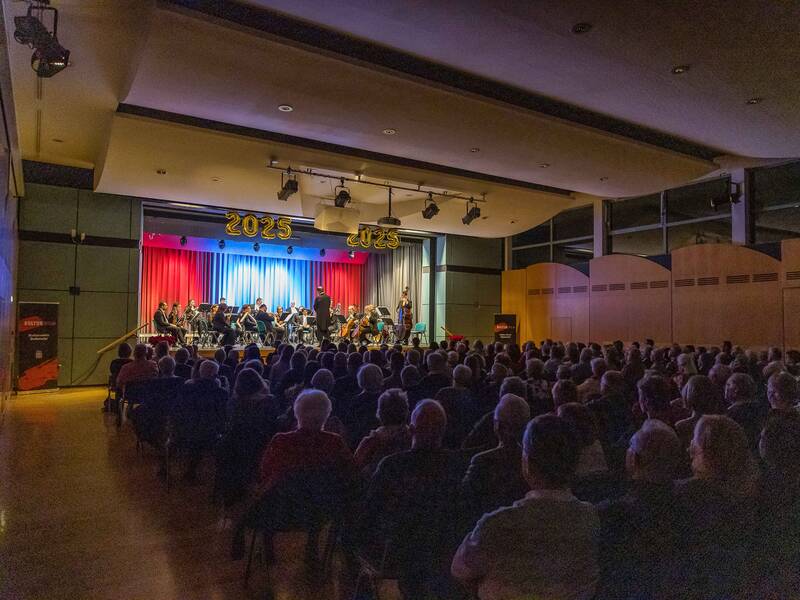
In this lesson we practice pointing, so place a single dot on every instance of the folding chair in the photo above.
(420, 329)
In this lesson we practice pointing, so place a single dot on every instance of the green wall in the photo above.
(467, 285)
(105, 268)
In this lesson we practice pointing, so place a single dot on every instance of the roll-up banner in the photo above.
(505, 328)
(37, 346)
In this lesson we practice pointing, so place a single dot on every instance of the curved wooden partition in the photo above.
(724, 292)
(557, 303)
(790, 278)
(513, 296)
(630, 299)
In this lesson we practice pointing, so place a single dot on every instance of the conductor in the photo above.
(322, 310)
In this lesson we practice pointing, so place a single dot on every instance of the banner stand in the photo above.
(37, 346)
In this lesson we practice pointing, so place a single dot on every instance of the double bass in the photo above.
(350, 324)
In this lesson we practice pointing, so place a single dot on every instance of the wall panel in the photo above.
(630, 299)
(724, 292)
(557, 303)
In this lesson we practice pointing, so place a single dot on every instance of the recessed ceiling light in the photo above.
(273, 161)
(544, 165)
(579, 28)
(604, 179)
(285, 107)
(754, 100)
(475, 149)
(161, 171)
(679, 69)
(216, 179)
(389, 131)
(58, 140)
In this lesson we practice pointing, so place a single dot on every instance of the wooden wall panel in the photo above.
(557, 303)
(514, 297)
(720, 292)
(630, 299)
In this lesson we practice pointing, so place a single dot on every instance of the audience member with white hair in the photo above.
(494, 477)
(590, 388)
(782, 392)
(461, 409)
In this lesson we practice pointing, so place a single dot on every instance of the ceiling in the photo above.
(189, 76)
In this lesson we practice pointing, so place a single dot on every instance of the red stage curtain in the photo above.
(342, 282)
(172, 276)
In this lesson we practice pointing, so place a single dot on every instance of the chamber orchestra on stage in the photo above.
(223, 324)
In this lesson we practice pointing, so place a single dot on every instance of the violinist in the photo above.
(246, 321)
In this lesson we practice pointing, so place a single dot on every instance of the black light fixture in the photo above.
(431, 208)
(322, 251)
(732, 196)
(352, 254)
(183, 240)
(290, 249)
(49, 56)
(342, 198)
(288, 186)
(473, 212)
(221, 244)
(389, 220)
(580, 28)
(256, 247)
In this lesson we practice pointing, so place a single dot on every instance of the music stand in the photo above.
(234, 309)
(204, 308)
(384, 311)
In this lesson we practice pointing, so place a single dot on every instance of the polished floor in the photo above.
(83, 516)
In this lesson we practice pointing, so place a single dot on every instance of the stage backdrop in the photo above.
(177, 275)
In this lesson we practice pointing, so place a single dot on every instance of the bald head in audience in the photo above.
(511, 415)
(654, 453)
(428, 424)
(782, 391)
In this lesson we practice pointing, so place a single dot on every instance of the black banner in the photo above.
(37, 346)
(505, 328)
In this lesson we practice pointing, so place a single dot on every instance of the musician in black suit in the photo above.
(322, 309)
(221, 325)
(163, 325)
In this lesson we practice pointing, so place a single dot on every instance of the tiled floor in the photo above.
(82, 516)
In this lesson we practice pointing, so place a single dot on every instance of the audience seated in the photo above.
(411, 502)
(437, 376)
(494, 477)
(140, 368)
(124, 352)
(545, 545)
(182, 367)
(740, 398)
(699, 397)
(391, 437)
(461, 410)
(358, 413)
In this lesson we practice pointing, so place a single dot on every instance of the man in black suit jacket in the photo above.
(494, 477)
(163, 325)
(322, 309)
(221, 325)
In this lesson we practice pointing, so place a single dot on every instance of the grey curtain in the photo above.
(387, 273)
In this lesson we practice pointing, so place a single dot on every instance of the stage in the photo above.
(267, 350)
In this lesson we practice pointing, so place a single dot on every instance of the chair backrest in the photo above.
(262, 327)
(380, 325)
(419, 327)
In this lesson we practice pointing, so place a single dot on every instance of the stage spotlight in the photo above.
(183, 240)
(322, 252)
(389, 220)
(49, 56)
(431, 209)
(288, 187)
(472, 213)
(290, 249)
(352, 254)
(256, 247)
(221, 244)
(342, 198)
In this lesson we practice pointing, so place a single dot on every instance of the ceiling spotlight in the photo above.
(183, 240)
(351, 254)
(680, 69)
(216, 179)
(285, 107)
(322, 251)
(290, 249)
(221, 244)
(161, 171)
(754, 100)
(544, 165)
(476, 149)
(389, 220)
(342, 195)
(431, 209)
(256, 247)
(603, 179)
(289, 186)
(273, 161)
(49, 56)
(579, 28)
(389, 131)
(473, 212)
